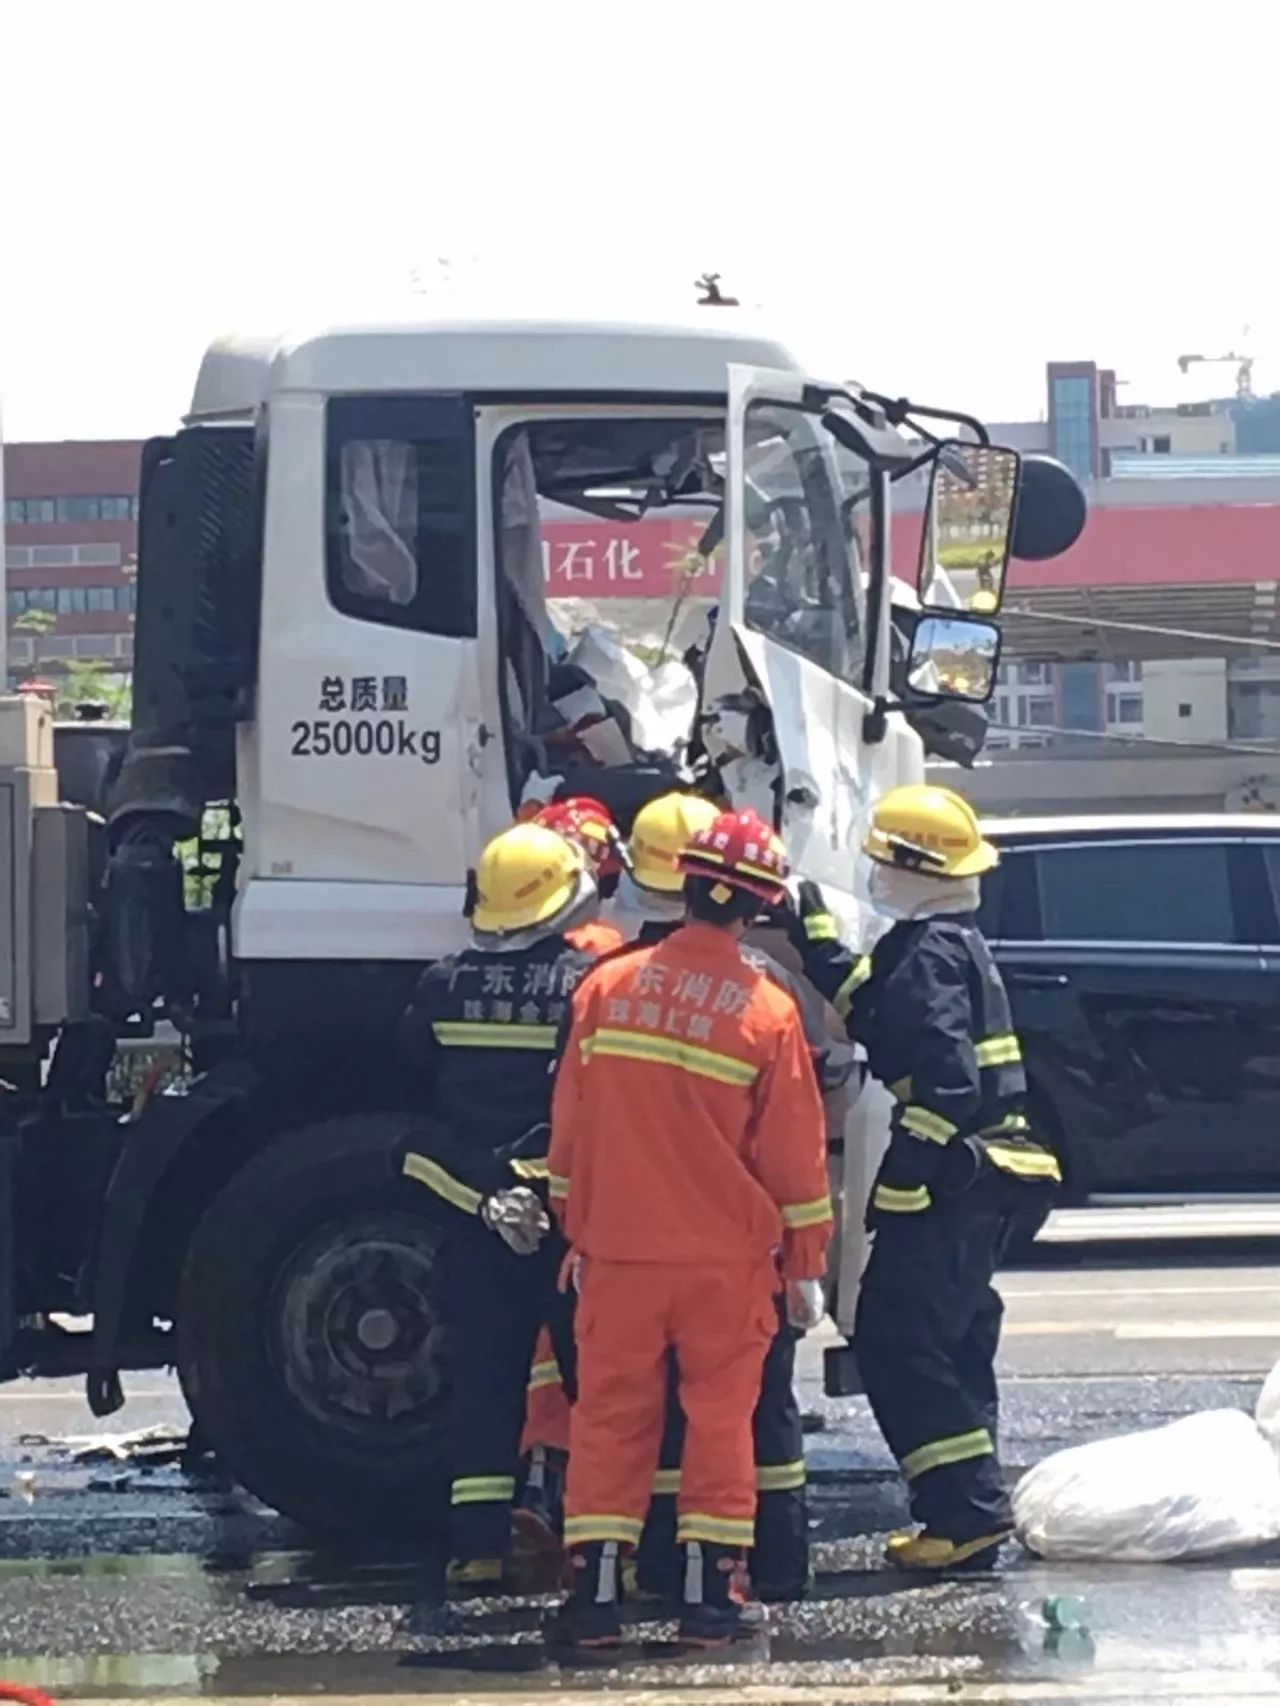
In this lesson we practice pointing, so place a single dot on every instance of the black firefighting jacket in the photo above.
(480, 1038)
(930, 1008)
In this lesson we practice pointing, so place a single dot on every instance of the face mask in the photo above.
(907, 894)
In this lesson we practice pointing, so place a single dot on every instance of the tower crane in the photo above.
(1244, 368)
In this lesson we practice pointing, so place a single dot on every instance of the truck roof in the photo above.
(238, 373)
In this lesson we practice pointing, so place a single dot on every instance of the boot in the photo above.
(466, 1578)
(925, 1551)
(588, 1619)
(716, 1610)
(536, 1558)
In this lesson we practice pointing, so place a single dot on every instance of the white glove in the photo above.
(517, 1217)
(806, 1303)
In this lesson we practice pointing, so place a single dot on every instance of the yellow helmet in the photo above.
(660, 834)
(931, 830)
(984, 601)
(526, 876)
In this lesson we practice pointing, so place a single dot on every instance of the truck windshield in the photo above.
(808, 522)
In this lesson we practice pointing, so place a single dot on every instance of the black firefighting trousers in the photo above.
(493, 1303)
(780, 1557)
(926, 1336)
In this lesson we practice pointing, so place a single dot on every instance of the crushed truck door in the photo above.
(792, 629)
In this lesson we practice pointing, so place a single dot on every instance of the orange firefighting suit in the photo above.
(687, 1150)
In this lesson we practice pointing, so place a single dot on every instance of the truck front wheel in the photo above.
(311, 1350)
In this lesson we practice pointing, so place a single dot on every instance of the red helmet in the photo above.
(740, 850)
(588, 825)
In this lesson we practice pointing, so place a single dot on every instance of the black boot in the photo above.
(715, 1608)
(589, 1617)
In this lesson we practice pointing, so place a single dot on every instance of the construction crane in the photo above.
(1244, 369)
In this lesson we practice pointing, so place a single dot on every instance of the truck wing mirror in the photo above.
(953, 657)
(968, 526)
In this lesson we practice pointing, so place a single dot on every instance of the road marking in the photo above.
(1149, 1293)
(1144, 1329)
(1197, 1330)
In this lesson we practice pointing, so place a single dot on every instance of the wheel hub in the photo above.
(355, 1333)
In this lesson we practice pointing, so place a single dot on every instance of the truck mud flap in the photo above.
(163, 1130)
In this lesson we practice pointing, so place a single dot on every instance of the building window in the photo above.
(1184, 710)
(72, 600)
(1124, 707)
(1040, 713)
(1073, 423)
(40, 512)
(1124, 671)
(1033, 674)
(1161, 445)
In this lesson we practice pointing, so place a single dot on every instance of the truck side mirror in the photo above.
(953, 657)
(968, 526)
(1052, 510)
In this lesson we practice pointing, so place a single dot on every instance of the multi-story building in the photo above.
(70, 531)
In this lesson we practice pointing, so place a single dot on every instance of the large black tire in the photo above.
(311, 1350)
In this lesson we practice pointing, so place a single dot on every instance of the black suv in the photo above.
(1142, 957)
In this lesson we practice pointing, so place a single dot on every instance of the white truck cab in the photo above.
(407, 638)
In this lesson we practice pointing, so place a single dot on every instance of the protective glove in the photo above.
(809, 920)
(517, 1217)
(958, 1170)
(806, 1303)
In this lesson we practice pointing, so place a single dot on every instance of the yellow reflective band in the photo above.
(1010, 1122)
(483, 1489)
(1026, 1163)
(959, 1448)
(433, 1176)
(530, 1169)
(545, 1374)
(842, 1000)
(667, 1051)
(606, 1527)
(798, 1214)
(821, 927)
(780, 1477)
(901, 1202)
(923, 1122)
(469, 1033)
(719, 1530)
(557, 1186)
(666, 1481)
(998, 1051)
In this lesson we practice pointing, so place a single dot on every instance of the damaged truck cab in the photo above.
(352, 668)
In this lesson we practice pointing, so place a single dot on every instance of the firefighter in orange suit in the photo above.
(687, 1156)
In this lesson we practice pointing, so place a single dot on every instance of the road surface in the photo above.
(115, 1579)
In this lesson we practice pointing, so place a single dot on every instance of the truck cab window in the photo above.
(399, 512)
(803, 552)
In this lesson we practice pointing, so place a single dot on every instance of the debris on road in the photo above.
(1196, 1488)
(154, 1445)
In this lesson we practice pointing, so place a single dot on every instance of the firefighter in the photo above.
(780, 1557)
(687, 1151)
(481, 1034)
(589, 826)
(961, 1176)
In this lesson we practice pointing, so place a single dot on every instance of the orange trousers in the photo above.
(546, 1412)
(719, 1321)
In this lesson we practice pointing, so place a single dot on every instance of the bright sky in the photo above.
(932, 197)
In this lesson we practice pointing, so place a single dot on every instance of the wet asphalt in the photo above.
(125, 1577)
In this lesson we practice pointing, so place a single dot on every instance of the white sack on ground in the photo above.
(1207, 1484)
(1267, 1410)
